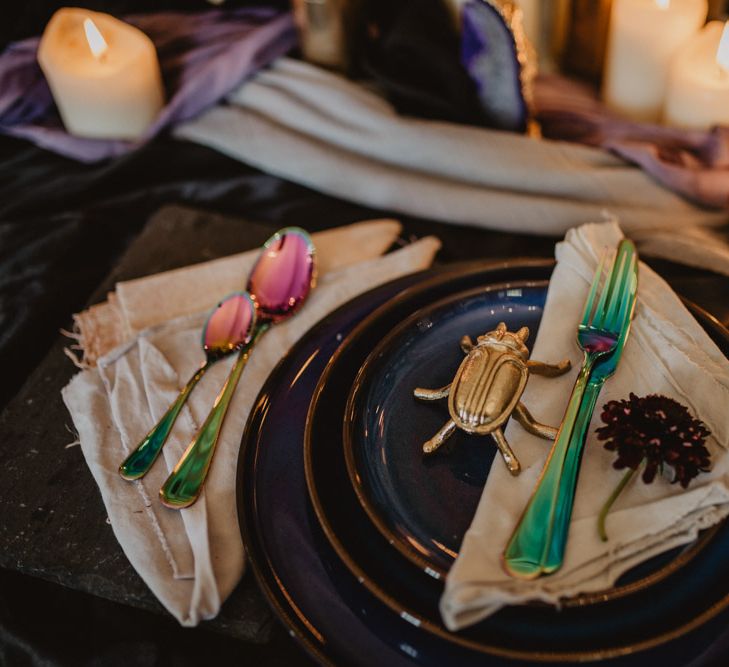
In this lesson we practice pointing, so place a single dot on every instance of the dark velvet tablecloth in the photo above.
(63, 228)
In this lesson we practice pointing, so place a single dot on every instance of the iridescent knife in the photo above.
(538, 543)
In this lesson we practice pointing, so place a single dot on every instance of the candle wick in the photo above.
(96, 41)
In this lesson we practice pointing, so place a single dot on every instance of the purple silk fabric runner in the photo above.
(694, 163)
(203, 56)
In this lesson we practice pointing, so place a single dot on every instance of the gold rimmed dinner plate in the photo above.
(423, 506)
(572, 634)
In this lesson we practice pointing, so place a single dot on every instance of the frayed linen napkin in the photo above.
(667, 353)
(192, 559)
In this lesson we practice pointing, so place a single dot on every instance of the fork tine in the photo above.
(598, 318)
(628, 285)
(593, 289)
(623, 286)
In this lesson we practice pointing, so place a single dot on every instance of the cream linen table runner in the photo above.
(320, 129)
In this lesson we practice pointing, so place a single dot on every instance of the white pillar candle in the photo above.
(644, 36)
(103, 73)
(698, 86)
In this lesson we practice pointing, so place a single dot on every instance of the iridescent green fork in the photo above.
(538, 543)
(227, 329)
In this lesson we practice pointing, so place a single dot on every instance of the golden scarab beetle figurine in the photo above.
(487, 388)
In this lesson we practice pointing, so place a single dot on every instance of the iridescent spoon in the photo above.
(279, 283)
(227, 328)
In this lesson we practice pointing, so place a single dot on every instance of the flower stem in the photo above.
(609, 503)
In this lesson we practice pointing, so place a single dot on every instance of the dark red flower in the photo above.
(658, 430)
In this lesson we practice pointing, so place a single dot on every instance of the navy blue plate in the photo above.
(424, 505)
(528, 632)
(309, 586)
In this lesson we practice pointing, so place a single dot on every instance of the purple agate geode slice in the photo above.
(493, 54)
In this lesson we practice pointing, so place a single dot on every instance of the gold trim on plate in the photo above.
(427, 624)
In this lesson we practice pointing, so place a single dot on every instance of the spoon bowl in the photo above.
(229, 325)
(283, 275)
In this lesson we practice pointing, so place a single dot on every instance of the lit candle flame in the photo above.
(96, 40)
(722, 53)
(663, 4)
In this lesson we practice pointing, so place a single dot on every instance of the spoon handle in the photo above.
(138, 463)
(185, 482)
